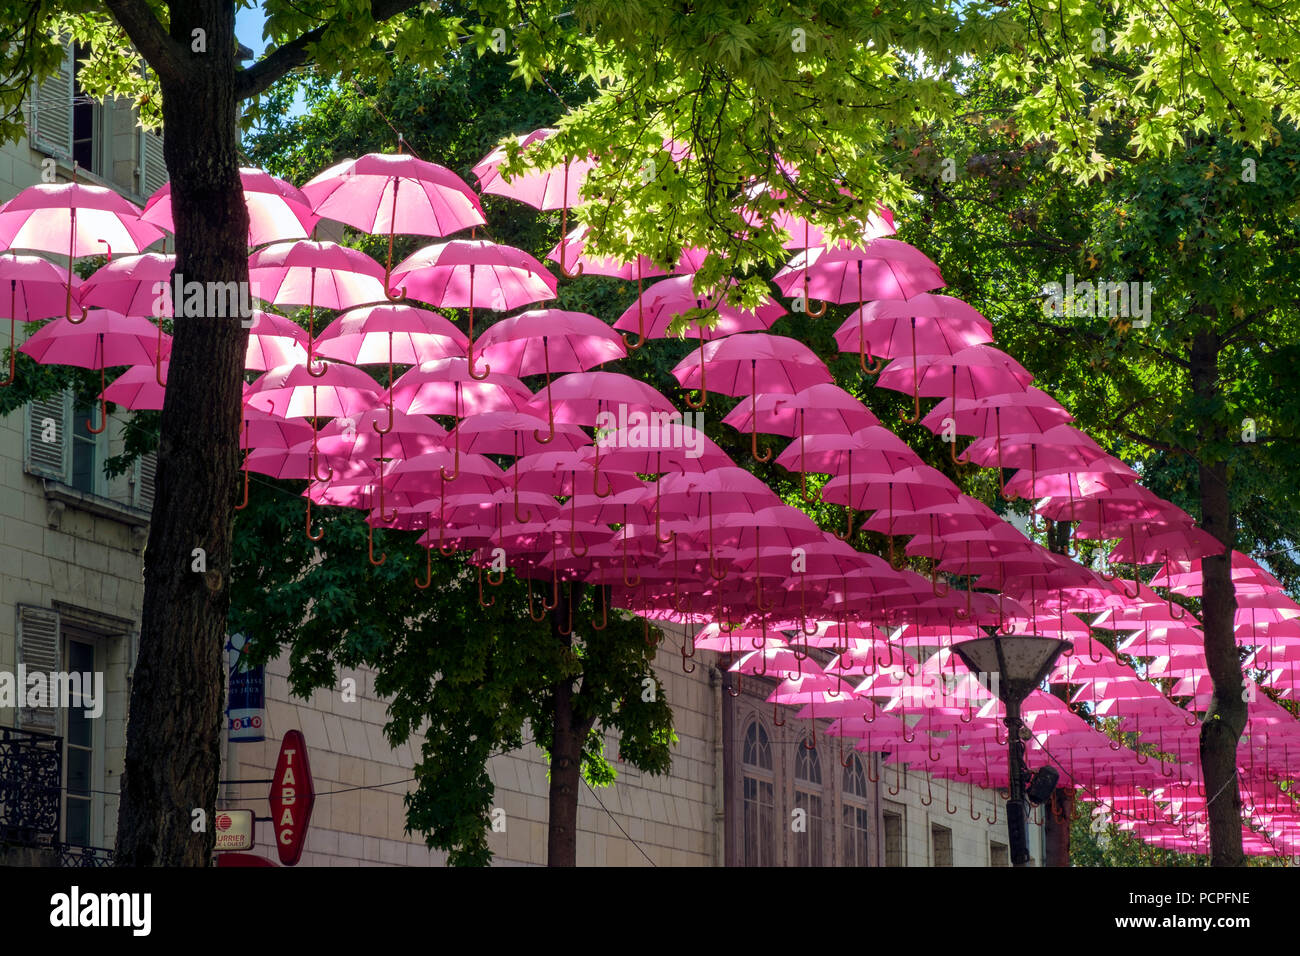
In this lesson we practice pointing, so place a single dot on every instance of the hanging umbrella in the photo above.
(133, 285)
(295, 391)
(465, 273)
(749, 363)
(926, 324)
(545, 341)
(73, 220)
(375, 334)
(315, 274)
(665, 301)
(37, 290)
(883, 269)
(364, 193)
(102, 340)
(273, 340)
(277, 210)
(973, 372)
(553, 188)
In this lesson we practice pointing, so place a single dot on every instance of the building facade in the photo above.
(742, 790)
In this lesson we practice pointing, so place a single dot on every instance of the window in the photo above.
(941, 845)
(62, 448)
(999, 855)
(807, 797)
(87, 457)
(892, 825)
(79, 750)
(85, 119)
(857, 819)
(759, 796)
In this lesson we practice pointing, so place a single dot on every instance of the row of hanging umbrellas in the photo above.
(704, 538)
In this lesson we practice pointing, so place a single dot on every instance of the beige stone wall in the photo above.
(667, 820)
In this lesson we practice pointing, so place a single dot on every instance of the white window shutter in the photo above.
(146, 469)
(50, 130)
(38, 650)
(48, 418)
(153, 162)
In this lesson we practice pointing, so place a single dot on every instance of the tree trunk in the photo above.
(1226, 718)
(568, 734)
(173, 752)
(1060, 810)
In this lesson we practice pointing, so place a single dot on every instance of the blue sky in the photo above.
(248, 31)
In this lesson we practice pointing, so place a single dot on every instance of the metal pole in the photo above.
(1017, 804)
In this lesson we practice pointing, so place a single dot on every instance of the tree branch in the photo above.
(259, 77)
(147, 35)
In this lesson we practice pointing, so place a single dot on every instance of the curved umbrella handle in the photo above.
(604, 610)
(704, 385)
(929, 793)
(481, 602)
(320, 534)
(564, 229)
(103, 404)
(428, 570)
(536, 617)
(371, 536)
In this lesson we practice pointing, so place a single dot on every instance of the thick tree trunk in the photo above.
(568, 734)
(1226, 718)
(173, 753)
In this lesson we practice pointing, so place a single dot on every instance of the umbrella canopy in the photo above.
(277, 210)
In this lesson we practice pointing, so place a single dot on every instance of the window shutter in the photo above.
(46, 418)
(146, 468)
(153, 162)
(38, 650)
(51, 112)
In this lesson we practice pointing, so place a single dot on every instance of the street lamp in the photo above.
(1020, 663)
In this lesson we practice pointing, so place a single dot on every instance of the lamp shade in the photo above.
(1020, 662)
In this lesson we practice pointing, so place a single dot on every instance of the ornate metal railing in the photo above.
(70, 855)
(31, 781)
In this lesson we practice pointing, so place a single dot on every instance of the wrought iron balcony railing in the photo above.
(31, 781)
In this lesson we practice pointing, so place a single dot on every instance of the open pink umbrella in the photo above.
(883, 269)
(274, 340)
(365, 193)
(37, 290)
(749, 363)
(553, 188)
(295, 391)
(973, 372)
(373, 335)
(464, 273)
(543, 341)
(665, 301)
(73, 220)
(277, 210)
(315, 274)
(133, 285)
(102, 340)
(927, 324)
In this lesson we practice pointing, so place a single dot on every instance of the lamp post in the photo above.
(1020, 663)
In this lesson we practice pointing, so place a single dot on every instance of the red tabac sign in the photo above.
(292, 796)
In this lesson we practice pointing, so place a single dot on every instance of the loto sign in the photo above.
(292, 797)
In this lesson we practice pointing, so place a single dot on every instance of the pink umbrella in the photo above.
(313, 274)
(133, 285)
(973, 372)
(666, 300)
(376, 334)
(542, 189)
(295, 391)
(462, 273)
(104, 340)
(816, 410)
(542, 341)
(883, 269)
(277, 211)
(73, 220)
(750, 363)
(927, 324)
(37, 290)
(138, 388)
(273, 340)
(364, 193)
